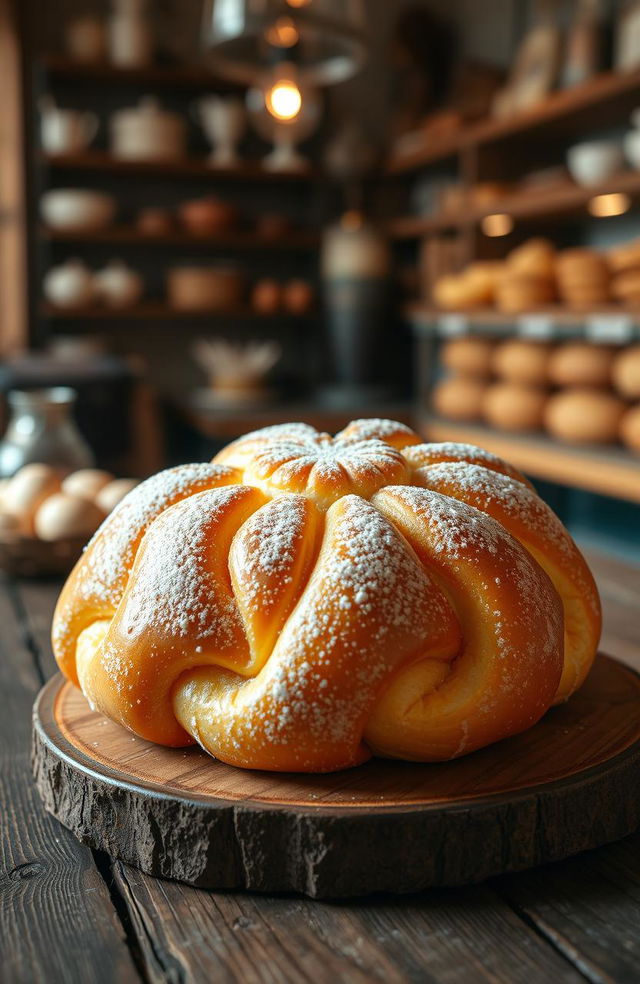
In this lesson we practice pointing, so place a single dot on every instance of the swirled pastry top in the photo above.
(305, 601)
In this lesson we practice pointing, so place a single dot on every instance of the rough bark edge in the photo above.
(337, 854)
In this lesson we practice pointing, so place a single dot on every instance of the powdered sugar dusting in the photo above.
(419, 455)
(174, 589)
(109, 556)
(369, 606)
(377, 428)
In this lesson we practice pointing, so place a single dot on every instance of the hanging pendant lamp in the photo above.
(325, 39)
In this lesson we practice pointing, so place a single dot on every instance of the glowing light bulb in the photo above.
(497, 224)
(283, 100)
(604, 206)
(283, 33)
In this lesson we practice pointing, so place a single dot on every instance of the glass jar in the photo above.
(41, 428)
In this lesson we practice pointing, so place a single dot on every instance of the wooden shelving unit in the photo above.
(160, 311)
(169, 76)
(505, 150)
(610, 324)
(552, 205)
(226, 424)
(606, 471)
(95, 160)
(130, 236)
(606, 99)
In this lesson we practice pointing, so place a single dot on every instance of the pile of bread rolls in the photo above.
(536, 275)
(580, 392)
(37, 503)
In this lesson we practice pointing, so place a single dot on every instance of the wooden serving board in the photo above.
(568, 784)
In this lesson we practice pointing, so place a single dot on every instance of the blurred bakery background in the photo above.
(216, 215)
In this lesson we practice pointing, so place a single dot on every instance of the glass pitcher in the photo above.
(41, 428)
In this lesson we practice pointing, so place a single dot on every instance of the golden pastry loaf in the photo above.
(304, 602)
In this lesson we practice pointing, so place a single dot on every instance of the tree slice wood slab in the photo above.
(568, 784)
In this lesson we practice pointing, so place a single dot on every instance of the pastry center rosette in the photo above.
(304, 602)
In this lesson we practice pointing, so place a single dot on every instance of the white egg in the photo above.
(113, 493)
(27, 490)
(63, 515)
(87, 482)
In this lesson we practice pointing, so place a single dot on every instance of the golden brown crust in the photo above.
(305, 601)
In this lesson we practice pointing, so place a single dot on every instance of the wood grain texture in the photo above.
(588, 908)
(449, 936)
(57, 921)
(562, 787)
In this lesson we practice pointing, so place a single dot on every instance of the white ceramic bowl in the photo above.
(76, 209)
(593, 162)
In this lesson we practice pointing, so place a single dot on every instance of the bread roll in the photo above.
(474, 287)
(458, 398)
(305, 601)
(625, 257)
(630, 428)
(514, 407)
(582, 268)
(468, 356)
(519, 293)
(63, 516)
(87, 482)
(584, 416)
(626, 373)
(108, 497)
(582, 364)
(535, 258)
(27, 490)
(522, 361)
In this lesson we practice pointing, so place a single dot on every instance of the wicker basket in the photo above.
(24, 556)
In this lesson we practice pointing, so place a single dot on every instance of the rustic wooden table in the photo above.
(68, 914)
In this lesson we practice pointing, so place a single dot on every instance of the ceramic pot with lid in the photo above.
(207, 216)
(117, 285)
(147, 132)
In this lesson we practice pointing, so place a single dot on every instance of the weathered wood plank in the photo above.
(588, 907)
(449, 937)
(57, 921)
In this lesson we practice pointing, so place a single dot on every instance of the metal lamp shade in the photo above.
(331, 36)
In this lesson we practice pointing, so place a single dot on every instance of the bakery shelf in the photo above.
(567, 112)
(612, 324)
(605, 471)
(553, 203)
(225, 424)
(129, 235)
(183, 167)
(170, 76)
(150, 310)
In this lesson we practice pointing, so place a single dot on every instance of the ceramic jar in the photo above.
(205, 288)
(86, 39)
(69, 285)
(224, 121)
(42, 429)
(117, 285)
(65, 131)
(147, 132)
(130, 36)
